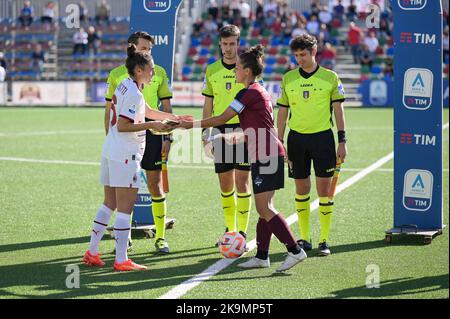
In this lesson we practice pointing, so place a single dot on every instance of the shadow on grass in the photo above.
(47, 279)
(397, 287)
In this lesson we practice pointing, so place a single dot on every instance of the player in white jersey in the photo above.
(122, 152)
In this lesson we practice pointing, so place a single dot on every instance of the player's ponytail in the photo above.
(136, 59)
(252, 58)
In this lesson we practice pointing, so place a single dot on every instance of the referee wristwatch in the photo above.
(341, 137)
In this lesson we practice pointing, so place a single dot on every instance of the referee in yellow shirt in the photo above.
(231, 162)
(157, 90)
(310, 95)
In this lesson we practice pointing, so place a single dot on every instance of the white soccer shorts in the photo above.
(120, 174)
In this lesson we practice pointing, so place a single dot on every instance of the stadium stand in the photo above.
(271, 23)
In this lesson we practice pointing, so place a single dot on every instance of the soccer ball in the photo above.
(232, 245)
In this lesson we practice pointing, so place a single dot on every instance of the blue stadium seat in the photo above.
(204, 52)
(211, 60)
(195, 42)
(243, 42)
(390, 51)
(268, 70)
(376, 69)
(187, 70)
(275, 42)
(271, 60)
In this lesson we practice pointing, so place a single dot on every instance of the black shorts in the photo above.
(228, 157)
(318, 147)
(268, 176)
(151, 161)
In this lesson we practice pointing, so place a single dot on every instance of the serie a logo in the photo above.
(157, 6)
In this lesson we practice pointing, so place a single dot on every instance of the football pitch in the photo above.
(49, 194)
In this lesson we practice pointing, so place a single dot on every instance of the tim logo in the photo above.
(417, 190)
(417, 139)
(412, 4)
(417, 38)
(418, 89)
(157, 6)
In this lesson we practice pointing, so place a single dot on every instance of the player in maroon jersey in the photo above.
(254, 106)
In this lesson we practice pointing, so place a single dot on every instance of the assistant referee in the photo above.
(310, 94)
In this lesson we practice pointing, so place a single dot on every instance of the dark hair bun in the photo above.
(131, 50)
(257, 51)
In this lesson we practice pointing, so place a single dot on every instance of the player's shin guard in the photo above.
(302, 205)
(244, 204)
(98, 228)
(229, 210)
(325, 213)
(159, 210)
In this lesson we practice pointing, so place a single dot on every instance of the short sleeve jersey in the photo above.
(158, 89)
(309, 98)
(220, 84)
(254, 106)
(127, 102)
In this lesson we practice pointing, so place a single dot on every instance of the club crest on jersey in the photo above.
(306, 95)
(132, 109)
(228, 86)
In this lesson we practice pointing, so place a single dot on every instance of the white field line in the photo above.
(47, 133)
(189, 284)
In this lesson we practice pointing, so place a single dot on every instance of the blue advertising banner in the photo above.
(158, 18)
(418, 114)
(380, 93)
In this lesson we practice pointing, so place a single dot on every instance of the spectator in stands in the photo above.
(259, 14)
(48, 15)
(277, 26)
(354, 35)
(210, 27)
(293, 18)
(26, 15)
(352, 11)
(3, 63)
(102, 12)
(325, 16)
(213, 9)
(198, 27)
(313, 26)
(365, 56)
(269, 19)
(37, 59)
(283, 11)
(272, 5)
(299, 30)
(236, 11)
(328, 56)
(287, 30)
(225, 12)
(93, 40)
(80, 40)
(84, 17)
(372, 41)
(324, 35)
(246, 12)
(339, 11)
(315, 8)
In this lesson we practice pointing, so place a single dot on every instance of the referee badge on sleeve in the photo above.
(341, 89)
